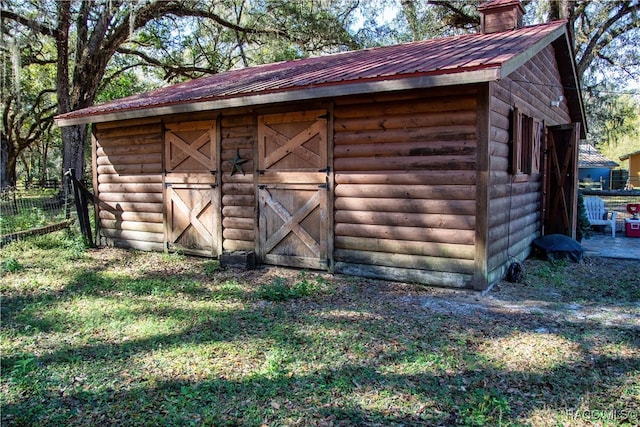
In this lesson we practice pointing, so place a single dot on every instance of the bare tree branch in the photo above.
(30, 23)
(106, 80)
(458, 17)
(605, 34)
(179, 9)
(170, 70)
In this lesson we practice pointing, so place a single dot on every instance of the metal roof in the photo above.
(590, 157)
(629, 155)
(461, 59)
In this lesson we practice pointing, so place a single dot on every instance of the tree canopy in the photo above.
(82, 52)
(94, 44)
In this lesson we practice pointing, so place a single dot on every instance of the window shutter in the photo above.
(515, 141)
(538, 129)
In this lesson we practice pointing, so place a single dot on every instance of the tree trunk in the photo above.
(563, 9)
(558, 9)
(74, 142)
(7, 177)
(27, 170)
(44, 159)
(72, 136)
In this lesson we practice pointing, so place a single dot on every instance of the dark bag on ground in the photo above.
(559, 246)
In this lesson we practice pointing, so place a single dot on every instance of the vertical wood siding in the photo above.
(405, 186)
(238, 137)
(129, 183)
(515, 218)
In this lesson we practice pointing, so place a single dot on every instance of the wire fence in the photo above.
(28, 211)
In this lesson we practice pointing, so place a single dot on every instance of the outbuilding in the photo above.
(634, 169)
(594, 169)
(436, 162)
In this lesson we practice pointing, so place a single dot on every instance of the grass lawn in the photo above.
(113, 337)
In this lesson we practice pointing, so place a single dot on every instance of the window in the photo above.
(526, 144)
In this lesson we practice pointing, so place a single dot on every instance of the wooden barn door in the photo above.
(191, 188)
(293, 189)
(561, 180)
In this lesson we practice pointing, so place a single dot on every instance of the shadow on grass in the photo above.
(595, 280)
(348, 395)
(351, 358)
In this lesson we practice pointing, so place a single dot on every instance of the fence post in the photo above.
(66, 184)
(82, 207)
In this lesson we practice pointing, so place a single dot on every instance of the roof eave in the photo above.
(307, 93)
(577, 96)
(562, 33)
(519, 60)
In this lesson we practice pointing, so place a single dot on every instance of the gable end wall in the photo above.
(516, 207)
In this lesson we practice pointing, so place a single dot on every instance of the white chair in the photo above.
(598, 214)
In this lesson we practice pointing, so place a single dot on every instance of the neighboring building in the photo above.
(634, 169)
(594, 169)
(422, 162)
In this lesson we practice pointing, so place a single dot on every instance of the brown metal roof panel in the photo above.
(481, 50)
(429, 57)
(497, 48)
(484, 51)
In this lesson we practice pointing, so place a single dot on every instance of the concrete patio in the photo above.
(602, 244)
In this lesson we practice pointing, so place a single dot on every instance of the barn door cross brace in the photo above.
(293, 145)
(292, 223)
(189, 150)
(193, 213)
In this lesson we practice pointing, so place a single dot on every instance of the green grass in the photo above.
(112, 337)
(280, 290)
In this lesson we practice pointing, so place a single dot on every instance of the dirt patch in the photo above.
(555, 291)
(563, 291)
(552, 290)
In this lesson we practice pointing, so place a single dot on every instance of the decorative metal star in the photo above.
(237, 162)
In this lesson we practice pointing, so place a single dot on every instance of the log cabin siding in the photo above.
(238, 137)
(515, 207)
(406, 170)
(128, 183)
(405, 174)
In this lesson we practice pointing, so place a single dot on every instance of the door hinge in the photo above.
(325, 170)
(324, 116)
(325, 186)
(326, 262)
